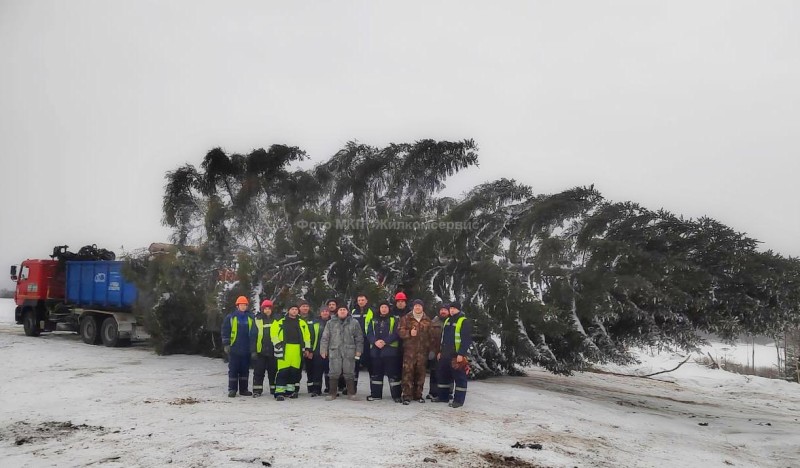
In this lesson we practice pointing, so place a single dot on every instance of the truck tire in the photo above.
(89, 330)
(30, 323)
(109, 332)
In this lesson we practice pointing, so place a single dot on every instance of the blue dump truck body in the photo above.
(99, 284)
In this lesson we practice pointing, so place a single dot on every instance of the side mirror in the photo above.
(13, 273)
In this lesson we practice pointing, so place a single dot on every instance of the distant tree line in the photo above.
(561, 280)
(6, 293)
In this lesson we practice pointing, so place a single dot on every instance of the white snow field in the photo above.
(65, 403)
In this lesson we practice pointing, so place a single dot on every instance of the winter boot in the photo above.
(256, 394)
(245, 393)
(232, 394)
(351, 390)
(333, 393)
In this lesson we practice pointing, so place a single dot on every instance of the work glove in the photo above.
(227, 349)
(358, 357)
(279, 350)
(463, 365)
(253, 356)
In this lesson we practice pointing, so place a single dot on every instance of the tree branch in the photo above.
(647, 376)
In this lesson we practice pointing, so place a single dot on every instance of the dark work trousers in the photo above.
(366, 359)
(433, 368)
(445, 378)
(264, 365)
(308, 365)
(316, 373)
(238, 372)
(385, 367)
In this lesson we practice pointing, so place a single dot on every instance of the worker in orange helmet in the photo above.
(236, 341)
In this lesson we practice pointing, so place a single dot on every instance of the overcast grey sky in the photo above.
(693, 106)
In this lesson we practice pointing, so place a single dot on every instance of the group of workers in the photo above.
(398, 344)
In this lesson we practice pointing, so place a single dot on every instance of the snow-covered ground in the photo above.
(64, 403)
(762, 353)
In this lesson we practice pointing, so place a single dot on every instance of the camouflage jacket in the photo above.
(421, 344)
(437, 324)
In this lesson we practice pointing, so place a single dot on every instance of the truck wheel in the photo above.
(110, 332)
(30, 324)
(89, 332)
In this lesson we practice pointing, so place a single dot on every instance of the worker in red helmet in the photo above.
(399, 310)
(235, 333)
(262, 352)
(400, 305)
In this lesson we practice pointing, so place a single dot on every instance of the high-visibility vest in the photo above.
(391, 329)
(260, 325)
(367, 317)
(316, 335)
(458, 331)
(276, 332)
(235, 327)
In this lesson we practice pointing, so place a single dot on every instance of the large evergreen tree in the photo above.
(562, 280)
